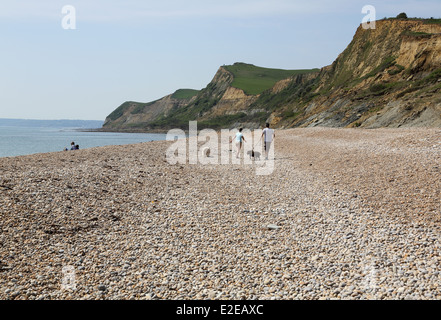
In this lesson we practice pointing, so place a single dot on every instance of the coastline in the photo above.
(351, 206)
(125, 130)
(33, 140)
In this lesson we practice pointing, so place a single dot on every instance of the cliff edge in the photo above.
(389, 76)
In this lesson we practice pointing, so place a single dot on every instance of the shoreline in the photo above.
(38, 140)
(125, 131)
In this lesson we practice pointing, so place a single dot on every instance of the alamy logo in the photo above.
(368, 21)
(208, 147)
(69, 279)
(69, 20)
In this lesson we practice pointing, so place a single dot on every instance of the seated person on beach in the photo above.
(73, 146)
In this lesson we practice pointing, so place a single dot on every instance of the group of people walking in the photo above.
(268, 136)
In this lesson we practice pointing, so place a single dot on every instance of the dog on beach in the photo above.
(207, 152)
(254, 155)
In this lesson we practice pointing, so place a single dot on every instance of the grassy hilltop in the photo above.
(254, 80)
(389, 76)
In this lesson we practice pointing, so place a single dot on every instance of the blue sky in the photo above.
(144, 50)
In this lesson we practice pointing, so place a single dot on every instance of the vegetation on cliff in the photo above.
(255, 80)
(389, 76)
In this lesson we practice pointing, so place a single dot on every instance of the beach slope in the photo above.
(346, 214)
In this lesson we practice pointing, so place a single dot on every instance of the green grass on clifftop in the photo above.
(184, 94)
(255, 80)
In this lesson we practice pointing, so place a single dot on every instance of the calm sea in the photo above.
(16, 141)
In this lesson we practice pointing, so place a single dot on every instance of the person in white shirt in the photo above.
(239, 141)
(268, 135)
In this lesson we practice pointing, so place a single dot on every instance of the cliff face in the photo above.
(136, 116)
(386, 77)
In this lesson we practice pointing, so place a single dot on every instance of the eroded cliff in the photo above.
(389, 76)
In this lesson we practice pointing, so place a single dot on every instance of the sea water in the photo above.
(16, 141)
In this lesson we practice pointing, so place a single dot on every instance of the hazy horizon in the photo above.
(33, 119)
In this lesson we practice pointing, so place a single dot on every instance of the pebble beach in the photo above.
(345, 214)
